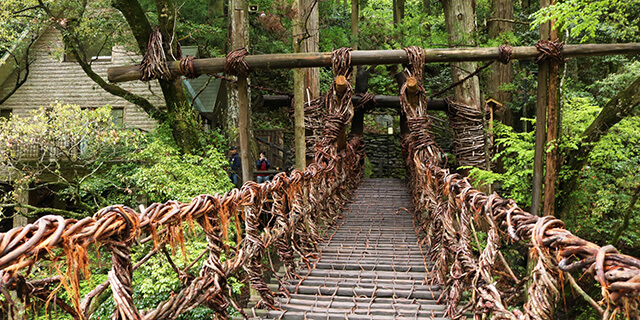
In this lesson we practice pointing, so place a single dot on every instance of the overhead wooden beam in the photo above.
(374, 57)
(381, 101)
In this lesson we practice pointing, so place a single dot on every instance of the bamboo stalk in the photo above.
(370, 57)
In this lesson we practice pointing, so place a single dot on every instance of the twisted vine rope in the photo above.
(154, 62)
(446, 204)
(303, 202)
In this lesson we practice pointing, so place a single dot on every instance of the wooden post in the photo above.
(404, 125)
(541, 123)
(487, 142)
(298, 92)
(551, 172)
(357, 123)
(341, 88)
(243, 103)
(362, 86)
(310, 88)
(412, 88)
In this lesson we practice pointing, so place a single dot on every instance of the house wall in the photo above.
(51, 80)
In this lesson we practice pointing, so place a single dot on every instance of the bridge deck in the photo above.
(371, 267)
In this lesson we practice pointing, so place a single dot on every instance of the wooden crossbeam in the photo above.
(373, 57)
(380, 101)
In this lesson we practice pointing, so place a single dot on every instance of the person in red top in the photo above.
(262, 165)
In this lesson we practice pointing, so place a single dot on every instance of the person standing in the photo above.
(262, 164)
(235, 165)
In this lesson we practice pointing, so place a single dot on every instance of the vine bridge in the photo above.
(377, 249)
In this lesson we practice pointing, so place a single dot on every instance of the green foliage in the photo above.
(605, 89)
(612, 170)
(63, 147)
(159, 172)
(516, 150)
(585, 18)
(12, 25)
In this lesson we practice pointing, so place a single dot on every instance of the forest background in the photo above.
(180, 160)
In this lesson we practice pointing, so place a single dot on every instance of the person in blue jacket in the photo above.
(262, 164)
(235, 165)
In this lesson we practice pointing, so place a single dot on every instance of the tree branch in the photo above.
(38, 211)
(627, 216)
(19, 81)
(25, 9)
(72, 43)
(137, 20)
(526, 23)
(583, 294)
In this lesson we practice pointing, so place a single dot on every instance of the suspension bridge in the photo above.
(372, 249)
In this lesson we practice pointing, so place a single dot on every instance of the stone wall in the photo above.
(384, 152)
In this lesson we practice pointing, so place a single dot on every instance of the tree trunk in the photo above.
(398, 11)
(461, 25)
(501, 74)
(460, 18)
(354, 24)
(238, 95)
(180, 116)
(311, 44)
(616, 109)
(541, 122)
(551, 172)
(426, 6)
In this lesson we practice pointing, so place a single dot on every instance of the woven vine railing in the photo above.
(297, 204)
(446, 206)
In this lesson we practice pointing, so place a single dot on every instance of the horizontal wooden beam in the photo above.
(374, 57)
(381, 101)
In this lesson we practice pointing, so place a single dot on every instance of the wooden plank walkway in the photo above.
(370, 268)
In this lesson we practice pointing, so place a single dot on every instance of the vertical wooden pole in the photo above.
(341, 89)
(310, 24)
(362, 86)
(404, 125)
(541, 123)
(551, 172)
(357, 123)
(243, 101)
(298, 91)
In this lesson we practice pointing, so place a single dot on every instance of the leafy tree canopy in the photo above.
(584, 18)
